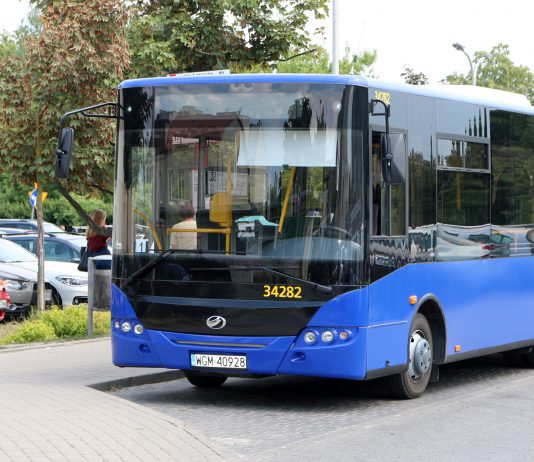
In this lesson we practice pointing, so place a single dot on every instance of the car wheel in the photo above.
(56, 298)
(413, 382)
(204, 381)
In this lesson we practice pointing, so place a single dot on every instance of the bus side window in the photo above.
(389, 201)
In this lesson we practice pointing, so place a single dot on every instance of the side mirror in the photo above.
(63, 153)
(394, 161)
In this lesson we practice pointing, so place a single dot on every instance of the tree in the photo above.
(318, 62)
(498, 71)
(76, 60)
(414, 78)
(187, 35)
(15, 44)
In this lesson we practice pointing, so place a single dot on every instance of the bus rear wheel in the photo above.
(413, 382)
(204, 381)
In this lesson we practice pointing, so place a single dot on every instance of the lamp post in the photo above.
(473, 65)
(335, 57)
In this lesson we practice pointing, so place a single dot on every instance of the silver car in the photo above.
(69, 286)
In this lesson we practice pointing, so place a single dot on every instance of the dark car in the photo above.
(57, 247)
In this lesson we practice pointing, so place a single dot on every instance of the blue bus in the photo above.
(319, 225)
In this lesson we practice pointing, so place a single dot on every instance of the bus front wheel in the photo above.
(413, 382)
(204, 381)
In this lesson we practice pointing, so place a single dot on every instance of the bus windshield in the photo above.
(236, 176)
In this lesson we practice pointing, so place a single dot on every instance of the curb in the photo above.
(136, 381)
(34, 346)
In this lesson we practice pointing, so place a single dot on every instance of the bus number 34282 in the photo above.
(282, 291)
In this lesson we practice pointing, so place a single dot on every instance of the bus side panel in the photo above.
(489, 303)
(486, 304)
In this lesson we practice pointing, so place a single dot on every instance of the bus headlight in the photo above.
(126, 327)
(138, 329)
(310, 337)
(328, 336)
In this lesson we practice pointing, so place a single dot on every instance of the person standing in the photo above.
(97, 241)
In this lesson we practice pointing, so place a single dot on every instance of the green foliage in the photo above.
(73, 59)
(318, 62)
(181, 36)
(414, 78)
(33, 330)
(68, 323)
(59, 211)
(14, 203)
(58, 324)
(498, 71)
(14, 44)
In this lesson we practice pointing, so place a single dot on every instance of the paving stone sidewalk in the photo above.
(49, 411)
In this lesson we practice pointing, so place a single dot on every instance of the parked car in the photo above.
(21, 283)
(29, 225)
(69, 286)
(57, 247)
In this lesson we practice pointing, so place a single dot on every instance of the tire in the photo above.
(412, 383)
(204, 381)
(524, 357)
(56, 298)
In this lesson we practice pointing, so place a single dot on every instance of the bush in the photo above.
(58, 324)
(32, 330)
(70, 322)
(101, 323)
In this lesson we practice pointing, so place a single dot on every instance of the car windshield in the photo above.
(11, 253)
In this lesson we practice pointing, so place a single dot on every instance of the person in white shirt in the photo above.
(185, 240)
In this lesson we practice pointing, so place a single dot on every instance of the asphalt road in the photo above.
(479, 410)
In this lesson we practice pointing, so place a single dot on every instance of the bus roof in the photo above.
(496, 99)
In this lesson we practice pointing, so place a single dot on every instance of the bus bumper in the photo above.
(343, 355)
(265, 355)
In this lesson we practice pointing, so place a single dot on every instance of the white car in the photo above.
(69, 286)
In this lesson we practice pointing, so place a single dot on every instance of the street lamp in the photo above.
(474, 66)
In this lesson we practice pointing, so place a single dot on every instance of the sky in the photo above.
(415, 33)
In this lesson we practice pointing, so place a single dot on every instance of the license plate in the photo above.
(48, 295)
(210, 361)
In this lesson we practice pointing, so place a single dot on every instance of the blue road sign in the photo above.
(33, 198)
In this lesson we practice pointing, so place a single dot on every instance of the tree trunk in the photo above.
(40, 250)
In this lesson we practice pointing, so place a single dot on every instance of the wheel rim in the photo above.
(420, 356)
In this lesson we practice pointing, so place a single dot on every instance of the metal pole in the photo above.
(460, 47)
(90, 298)
(335, 58)
(473, 69)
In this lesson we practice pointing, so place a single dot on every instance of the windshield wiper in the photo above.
(316, 286)
(147, 267)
